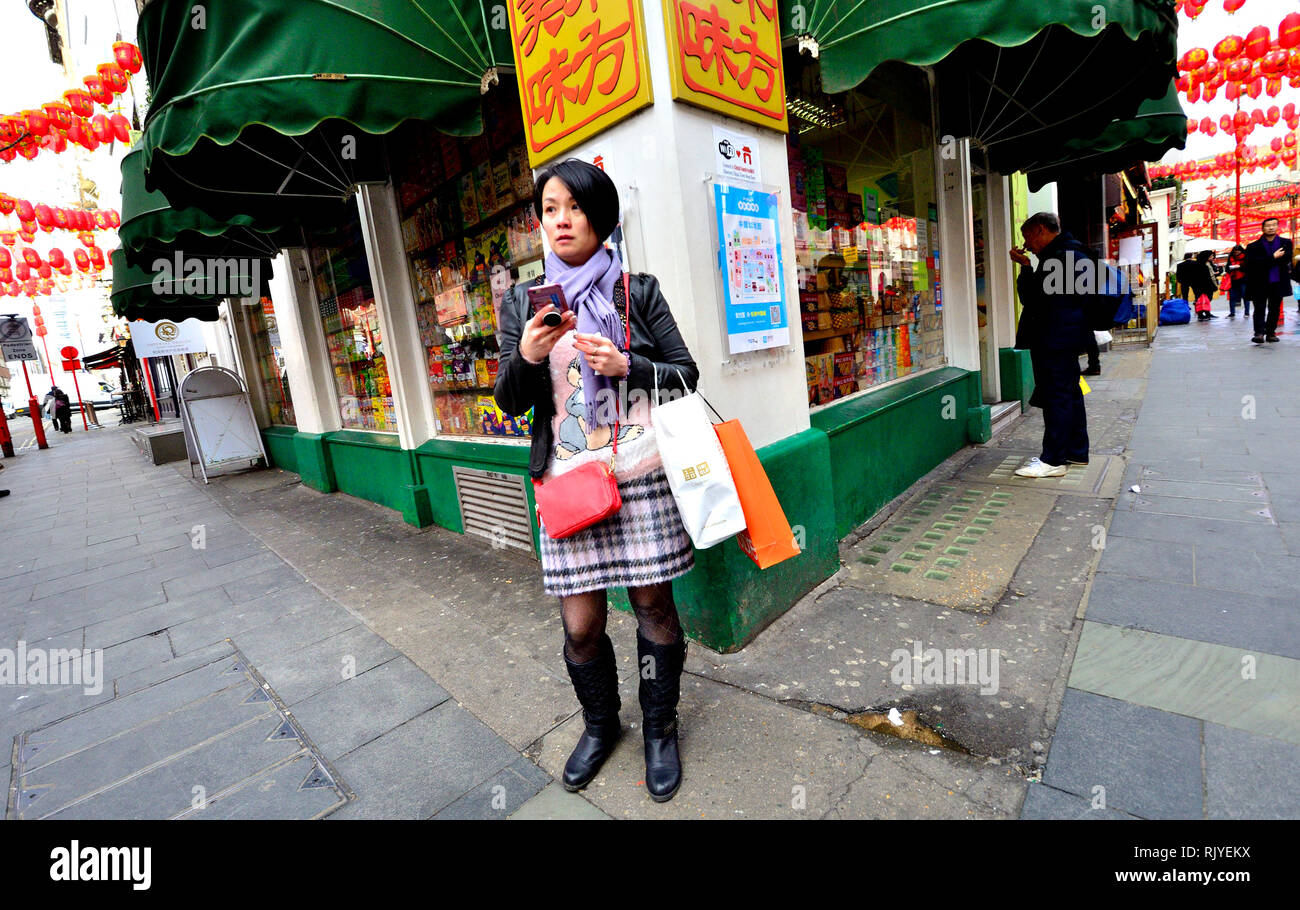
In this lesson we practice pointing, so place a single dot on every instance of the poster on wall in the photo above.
(753, 285)
(736, 157)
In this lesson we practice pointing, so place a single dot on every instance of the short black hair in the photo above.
(589, 185)
(1267, 220)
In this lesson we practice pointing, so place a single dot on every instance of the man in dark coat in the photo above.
(1053, 325)
(1187, 274)
(60, 410)
(1268, 278)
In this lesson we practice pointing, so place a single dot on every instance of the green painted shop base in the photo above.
(855, 458)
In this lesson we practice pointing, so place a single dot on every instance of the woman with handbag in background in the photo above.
(570, 373)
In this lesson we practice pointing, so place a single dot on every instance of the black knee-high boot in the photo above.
(596, 683)
(659, 692)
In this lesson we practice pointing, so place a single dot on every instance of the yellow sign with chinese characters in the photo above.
(725, 55)
(581, 67)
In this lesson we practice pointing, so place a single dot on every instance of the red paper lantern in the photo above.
(1210, 92)
(27, 236)
(101, 220)
(87, 239)
(80, 101)
(1233, 5)
(1193, 59)
(1191, 126)
(31, 257)
(1258, 42)
(1289, 140)
(1229, 48)
(44, 215)
(114, 219)
(127, 56)
(6, 276)
(1182, 83)
(44, 270)
(1254, 89)
(31, 288)
(38, 123)
(56, 258)
(102, 128)
(22, 271)
(7, 203)
(61, 218)
(6, 259)
(1274, 63)
(89, 141)
(59, 113)
(96, 258)
(1273, 87)
(1195, 94)
(114, 77)
(100, 90)
(82, 260)
(1288, 32)
(66, 268)
(1238, 70)
(121, 127)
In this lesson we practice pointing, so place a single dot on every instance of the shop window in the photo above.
(470, 233)
(864, 196)
(352, 335)
(269, 353)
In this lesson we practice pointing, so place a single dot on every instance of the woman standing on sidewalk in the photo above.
(1237, 281)
(564, 372)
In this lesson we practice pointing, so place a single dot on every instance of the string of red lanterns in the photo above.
(1193, 8)
(47, 218)
(1253, 65)
(73, 120)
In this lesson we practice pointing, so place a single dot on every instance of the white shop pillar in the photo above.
(956, 206)
(306, 358)
(390, 278)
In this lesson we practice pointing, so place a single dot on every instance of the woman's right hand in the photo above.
(538, 338)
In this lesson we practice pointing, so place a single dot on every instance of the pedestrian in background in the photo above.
(1202, 274)
(1237, 282)
(1186, 282)
(1268, 278)
(59, 408)
(563, 374)
(1053, 327)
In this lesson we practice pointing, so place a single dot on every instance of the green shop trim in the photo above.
(856, 458)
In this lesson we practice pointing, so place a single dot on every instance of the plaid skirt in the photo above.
(643, 543)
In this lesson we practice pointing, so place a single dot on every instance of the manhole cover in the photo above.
(215, 742)
(954, 545)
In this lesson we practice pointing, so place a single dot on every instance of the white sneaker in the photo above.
(1038, 468)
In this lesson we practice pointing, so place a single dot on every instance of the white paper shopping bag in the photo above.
(697, 471)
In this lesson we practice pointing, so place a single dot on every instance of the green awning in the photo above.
(1018, 77)
(151, 228)
(140, 293)
(273, 109)
(1157, 127)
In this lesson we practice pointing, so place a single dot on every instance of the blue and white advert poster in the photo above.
(750, 258)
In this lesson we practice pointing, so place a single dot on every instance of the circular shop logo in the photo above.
(166, 331)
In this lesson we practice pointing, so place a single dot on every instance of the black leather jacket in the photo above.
(657, 347)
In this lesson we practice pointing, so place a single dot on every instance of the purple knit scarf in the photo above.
(589, 288)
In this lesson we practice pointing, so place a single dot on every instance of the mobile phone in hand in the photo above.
(549, 294)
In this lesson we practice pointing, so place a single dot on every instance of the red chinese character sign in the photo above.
(581, 68)
(725, 55)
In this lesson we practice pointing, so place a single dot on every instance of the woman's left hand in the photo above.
(602, 354)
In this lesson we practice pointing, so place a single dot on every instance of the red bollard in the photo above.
(6, 441)
(34, 410)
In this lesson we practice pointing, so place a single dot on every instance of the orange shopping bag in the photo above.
(768, 538)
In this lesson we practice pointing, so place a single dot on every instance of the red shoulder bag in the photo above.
(588, 494)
